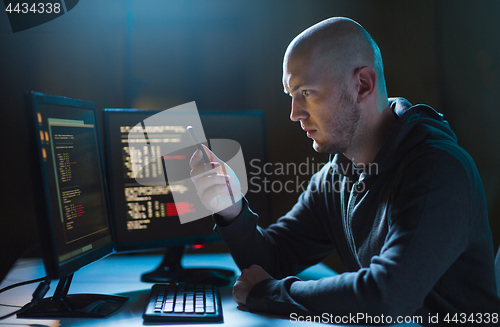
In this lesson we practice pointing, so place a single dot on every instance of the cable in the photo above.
(28, 250)
(25, 253)
(38, 294)
(13, 313)
(10, 305)
(39, 290)
(22, 283)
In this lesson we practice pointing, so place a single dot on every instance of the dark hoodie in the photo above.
(411, 229)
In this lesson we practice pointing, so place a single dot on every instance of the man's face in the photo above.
(321, 104)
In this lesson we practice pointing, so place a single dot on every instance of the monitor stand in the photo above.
(171, 270)
(62, 305)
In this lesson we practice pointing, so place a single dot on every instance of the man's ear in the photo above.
(366, 81)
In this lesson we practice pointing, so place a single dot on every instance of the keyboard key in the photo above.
(169, 307)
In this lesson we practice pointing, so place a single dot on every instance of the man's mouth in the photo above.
(310, 132)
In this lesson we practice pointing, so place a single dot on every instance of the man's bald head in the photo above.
(342, 45)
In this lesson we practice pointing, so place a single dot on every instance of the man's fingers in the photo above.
(210, 154)
(202, 169)
(213, 194)
(196, 158)
(246, 281)
(208, 181)
(210, 187)
(214, 182)
(239, 294)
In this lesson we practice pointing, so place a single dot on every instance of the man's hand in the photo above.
(248, 279)
(211, 179)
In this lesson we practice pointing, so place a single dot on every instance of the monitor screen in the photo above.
(145, 217)
(70, 201)
(72, 211)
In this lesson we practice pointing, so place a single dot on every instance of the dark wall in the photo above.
(227, 55)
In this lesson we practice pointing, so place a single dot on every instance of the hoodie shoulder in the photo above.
(415, 126)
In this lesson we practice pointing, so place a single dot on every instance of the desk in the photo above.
(120, 275)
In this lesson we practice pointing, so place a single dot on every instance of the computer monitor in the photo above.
(70, 201)
(145, 217)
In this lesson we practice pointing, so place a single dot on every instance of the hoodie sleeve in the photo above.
(296, 241)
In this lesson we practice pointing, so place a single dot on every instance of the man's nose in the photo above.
(298, 112)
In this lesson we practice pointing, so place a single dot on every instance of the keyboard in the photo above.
(182, 302)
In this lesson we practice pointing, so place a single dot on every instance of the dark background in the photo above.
(227, 55)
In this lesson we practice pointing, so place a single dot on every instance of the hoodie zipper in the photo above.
(348, 223)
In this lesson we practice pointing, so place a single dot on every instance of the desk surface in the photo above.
(120, 275)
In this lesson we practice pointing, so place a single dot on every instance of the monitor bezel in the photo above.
(41, 194)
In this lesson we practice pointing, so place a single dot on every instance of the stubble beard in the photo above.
(341, 129)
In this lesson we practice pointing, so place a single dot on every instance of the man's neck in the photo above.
(371, 138)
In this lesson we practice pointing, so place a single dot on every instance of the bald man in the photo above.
(409, 219)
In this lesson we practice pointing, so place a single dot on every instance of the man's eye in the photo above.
(306, 92)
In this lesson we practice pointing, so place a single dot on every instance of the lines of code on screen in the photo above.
(76, 166)
(145, 204)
